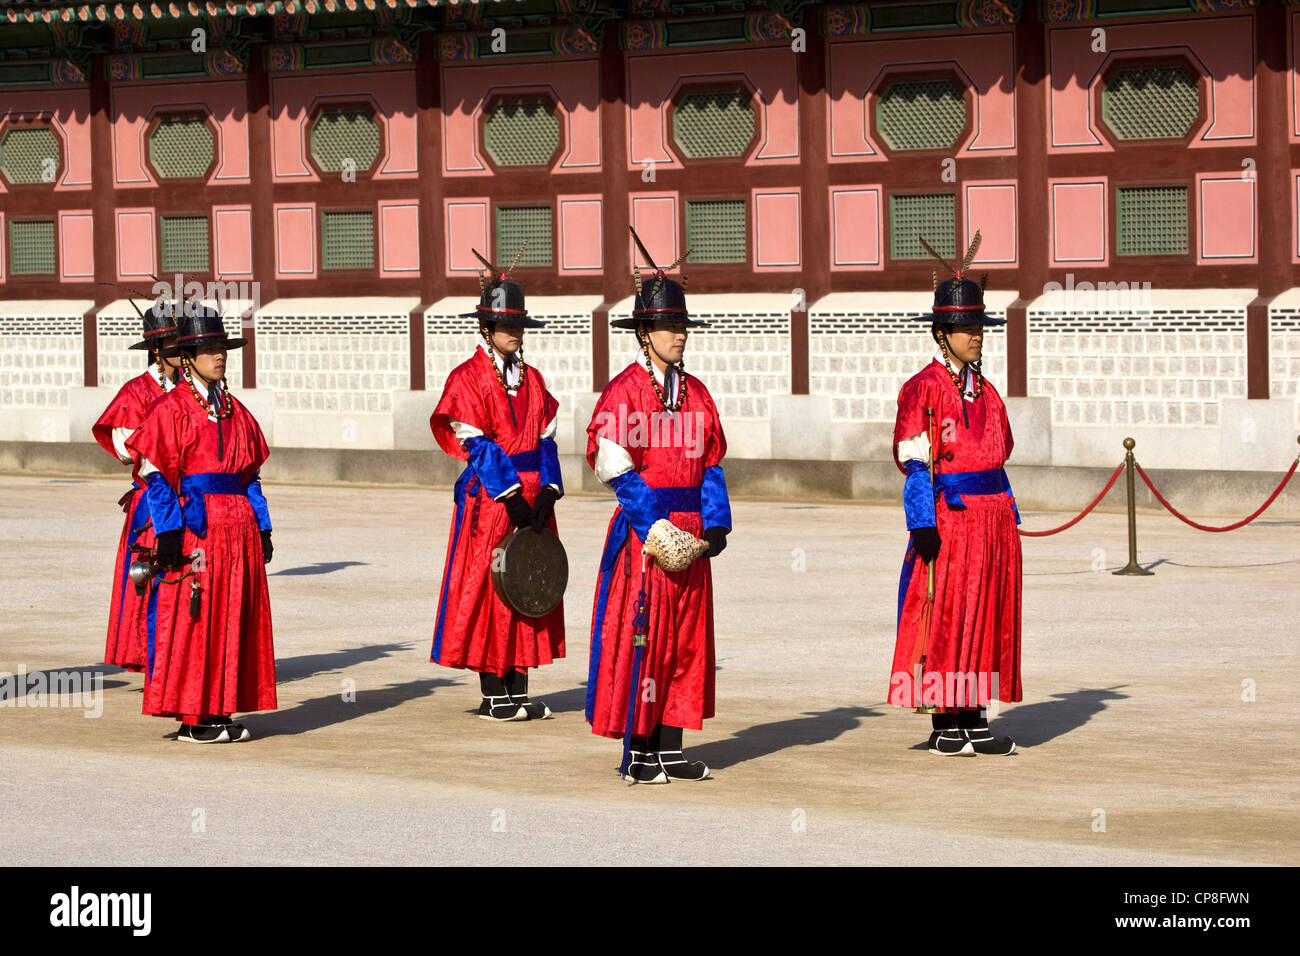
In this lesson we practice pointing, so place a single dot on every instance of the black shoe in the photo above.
(501, 709)
(516, 683)
(645, 768)
(236, 732)
(203, 734)
(678, 767)
(983, 742)
(950, 743)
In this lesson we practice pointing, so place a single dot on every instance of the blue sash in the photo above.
(195, 489)
(955, 484)
(684, 499)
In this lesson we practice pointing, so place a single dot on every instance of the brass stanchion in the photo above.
(1129, 467)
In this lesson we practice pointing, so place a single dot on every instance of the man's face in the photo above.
(171, 362)
(210, 362)
(669, 340)
(966, 342)
(506, 339)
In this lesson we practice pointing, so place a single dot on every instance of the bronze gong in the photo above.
(530, 571)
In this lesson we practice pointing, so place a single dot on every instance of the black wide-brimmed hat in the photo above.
(201, 325)
(959, 301)
(658, 298)
(502, 299)
(159, 323)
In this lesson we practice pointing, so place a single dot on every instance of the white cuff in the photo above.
(509, 491)
(146, 467)
(465, 432)
(120, 435)
(549, 430)
(916, 448)
(612, 460)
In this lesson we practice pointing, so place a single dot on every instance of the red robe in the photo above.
(475, 629)
(221, 661)
(126, 643)
(975, 624)
(678, 659)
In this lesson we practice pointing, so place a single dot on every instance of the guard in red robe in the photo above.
(655, 439)
(126, 645)
(951, 439)
(209, 617)
(496, 415)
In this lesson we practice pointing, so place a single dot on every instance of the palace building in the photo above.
(324, 168)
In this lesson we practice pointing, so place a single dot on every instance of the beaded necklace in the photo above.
(681, 374)
(227, 405)
(492, 353)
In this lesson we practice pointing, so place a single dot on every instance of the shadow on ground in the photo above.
(296, 668)
(320, 567)
(320, 712)
(762, 740)
(1033, 724)
(57, 680)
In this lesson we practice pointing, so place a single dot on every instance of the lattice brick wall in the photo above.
(741, 359)
(115, 334)
(1162, 368)
(40, 359)
(1284, 357)
(863, 371)
(925, 114)
(714, 124)
(562, 351)
(334, 363)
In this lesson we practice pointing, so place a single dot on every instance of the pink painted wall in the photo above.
(855, 67)
(295, 240)
(135, 244)
(991, 208)
(399, 237)
(857, 229)
(654, 217)
(775, 237)
(467, 230)
(68, 112)
(233, 226)
(135, 104)
(76, 245)
(1225, 218)
(1223, 46)
(574, 84)
(1079, 221)
(295, 98)
(4, 246)
(653, 80)
(1294, 85)
(580, 234)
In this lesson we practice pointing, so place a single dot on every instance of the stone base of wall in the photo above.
(1037, 487)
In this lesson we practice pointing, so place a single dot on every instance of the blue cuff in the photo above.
(491, 465)
(715, 506)
(164, 506)
(918, 496)
(550, 465)
(258, 501)
(640, 504)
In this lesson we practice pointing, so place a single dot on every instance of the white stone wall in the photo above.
(41, 356)
(334, 363)
(862, 359)
(1162, 368)
(115, 334)
(1284, 357)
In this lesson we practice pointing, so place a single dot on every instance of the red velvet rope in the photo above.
(1230, 527)
(1082, 514)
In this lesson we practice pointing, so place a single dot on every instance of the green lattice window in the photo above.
(715, 230)
(517, 223)
(1151, 220)
(340, 135)
(928, 216)
(921, 114)
(184, 243)
(181, 147)
(709, 125)
(521, 134)
(30, 155)
(348, 239)
(31, 247)
(1160, 102)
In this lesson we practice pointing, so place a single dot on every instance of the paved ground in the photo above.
(1133, 711)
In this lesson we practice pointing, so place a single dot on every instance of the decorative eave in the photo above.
(108, 12)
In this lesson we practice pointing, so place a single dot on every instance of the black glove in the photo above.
(544, 507)
(521, 515)
(167, 548)
(926, 541)
(717, 538)
(267, 549)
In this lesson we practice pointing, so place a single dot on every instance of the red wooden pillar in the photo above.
(1032, 221)
(1272, 187)
(433, 253)
(615, 215)
(814, 197)
(260, 164)
(102, 206)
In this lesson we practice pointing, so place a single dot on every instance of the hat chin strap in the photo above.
(651, 345)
